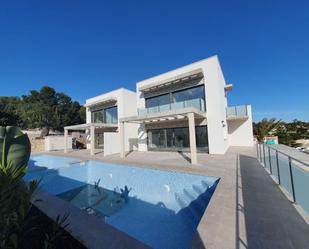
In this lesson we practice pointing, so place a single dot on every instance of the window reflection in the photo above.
(188, 94)
(176, 138)
(191, 97)
(107, 115)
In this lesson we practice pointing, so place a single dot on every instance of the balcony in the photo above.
(199, 104)
(237, 112)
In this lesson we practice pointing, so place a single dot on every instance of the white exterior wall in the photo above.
(56, 143)
(126, 107)
(215, 106)
(215, 102)
(241, 131)
(112, 140)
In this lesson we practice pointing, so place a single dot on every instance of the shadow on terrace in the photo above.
(152, 224)
(265, 218)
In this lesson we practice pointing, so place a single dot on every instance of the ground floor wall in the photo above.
(108, 139)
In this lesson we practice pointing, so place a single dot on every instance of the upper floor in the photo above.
(108, 108)
(200, 85)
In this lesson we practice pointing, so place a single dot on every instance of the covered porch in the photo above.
(90, 127)
(186, 114)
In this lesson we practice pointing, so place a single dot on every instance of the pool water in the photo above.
(160, 208)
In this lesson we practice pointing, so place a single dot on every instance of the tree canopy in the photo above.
(288, 132)
(45, 108)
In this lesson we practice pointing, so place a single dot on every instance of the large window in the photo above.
(107, 115)
(111, 115)
(190, 97)
(176, 139)
(158, 100)
(97, 116)
(189, 94)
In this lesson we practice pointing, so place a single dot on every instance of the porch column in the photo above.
(91, 140)
(192, 138)
(121, 136)
(66, 140)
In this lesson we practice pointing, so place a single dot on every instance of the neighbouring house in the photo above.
(102, 122)
(186, 109)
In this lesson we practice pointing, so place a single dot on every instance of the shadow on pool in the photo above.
(153, 224)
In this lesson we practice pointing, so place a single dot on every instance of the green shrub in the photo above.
(22, 225)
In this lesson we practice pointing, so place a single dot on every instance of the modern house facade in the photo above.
(186, 110)
(102, 121)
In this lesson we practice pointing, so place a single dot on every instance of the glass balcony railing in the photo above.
(199, 104)
(236, 111)
(290, 173)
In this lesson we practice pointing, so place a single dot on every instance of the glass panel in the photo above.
(164, 108)
(142, 111)
(267, 165)
(181, 138)
(201, 137)
(99, 140)
(231, 111)
(162, 136)
(111, 115)
(241, 110)
(153, 139)
(284, 172)
(97, 116)
(273, 161)
(178, 105)
(187, 94)
(195, 103)
(158, 100)
(169, 138)
(153, 109)
(301, 185)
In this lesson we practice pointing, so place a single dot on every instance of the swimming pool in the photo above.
(160, 208)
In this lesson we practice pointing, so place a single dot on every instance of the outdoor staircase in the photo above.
(194, 201)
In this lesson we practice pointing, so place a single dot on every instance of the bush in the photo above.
(21, 224)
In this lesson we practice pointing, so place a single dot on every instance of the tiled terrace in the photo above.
(247, 210)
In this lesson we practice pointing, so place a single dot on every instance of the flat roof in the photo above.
(101, 101)
(194, 74)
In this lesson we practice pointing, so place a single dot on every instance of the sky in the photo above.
(86, 48)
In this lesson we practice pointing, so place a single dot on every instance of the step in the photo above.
(194, 206)
(199, 202)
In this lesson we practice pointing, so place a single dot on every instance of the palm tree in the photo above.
(265, 127)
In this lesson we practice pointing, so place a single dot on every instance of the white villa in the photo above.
(182, 110)
(102, 122)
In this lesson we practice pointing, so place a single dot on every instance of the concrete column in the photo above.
(192, 138)
(66, 132)
(121, 135)
(91, 140)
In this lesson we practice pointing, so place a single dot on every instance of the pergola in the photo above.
(89, 126)
(186, 113)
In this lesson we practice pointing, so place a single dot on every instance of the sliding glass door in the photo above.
(176, 139)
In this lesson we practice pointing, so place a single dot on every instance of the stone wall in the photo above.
(37, 145)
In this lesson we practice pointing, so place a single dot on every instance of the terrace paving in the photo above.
(248, 209)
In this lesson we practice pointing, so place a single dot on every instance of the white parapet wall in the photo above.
(112, 140)
(57, 143)
(241, 131)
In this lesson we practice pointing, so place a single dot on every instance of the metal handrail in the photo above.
(260, 158)
(294, 159)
